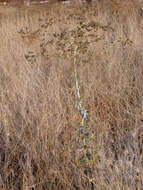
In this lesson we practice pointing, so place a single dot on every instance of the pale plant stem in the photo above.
(79, 106)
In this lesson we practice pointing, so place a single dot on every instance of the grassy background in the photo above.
(71, 107)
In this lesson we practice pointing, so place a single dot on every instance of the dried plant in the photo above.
(71, 97)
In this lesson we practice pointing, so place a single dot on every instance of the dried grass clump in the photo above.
(71, 98)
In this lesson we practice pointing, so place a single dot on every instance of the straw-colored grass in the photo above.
(71, 106)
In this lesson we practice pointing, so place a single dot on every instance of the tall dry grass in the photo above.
(56, 64)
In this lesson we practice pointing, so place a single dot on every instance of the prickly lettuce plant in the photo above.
(85, 157)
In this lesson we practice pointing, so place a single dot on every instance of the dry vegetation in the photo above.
(71, 107)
